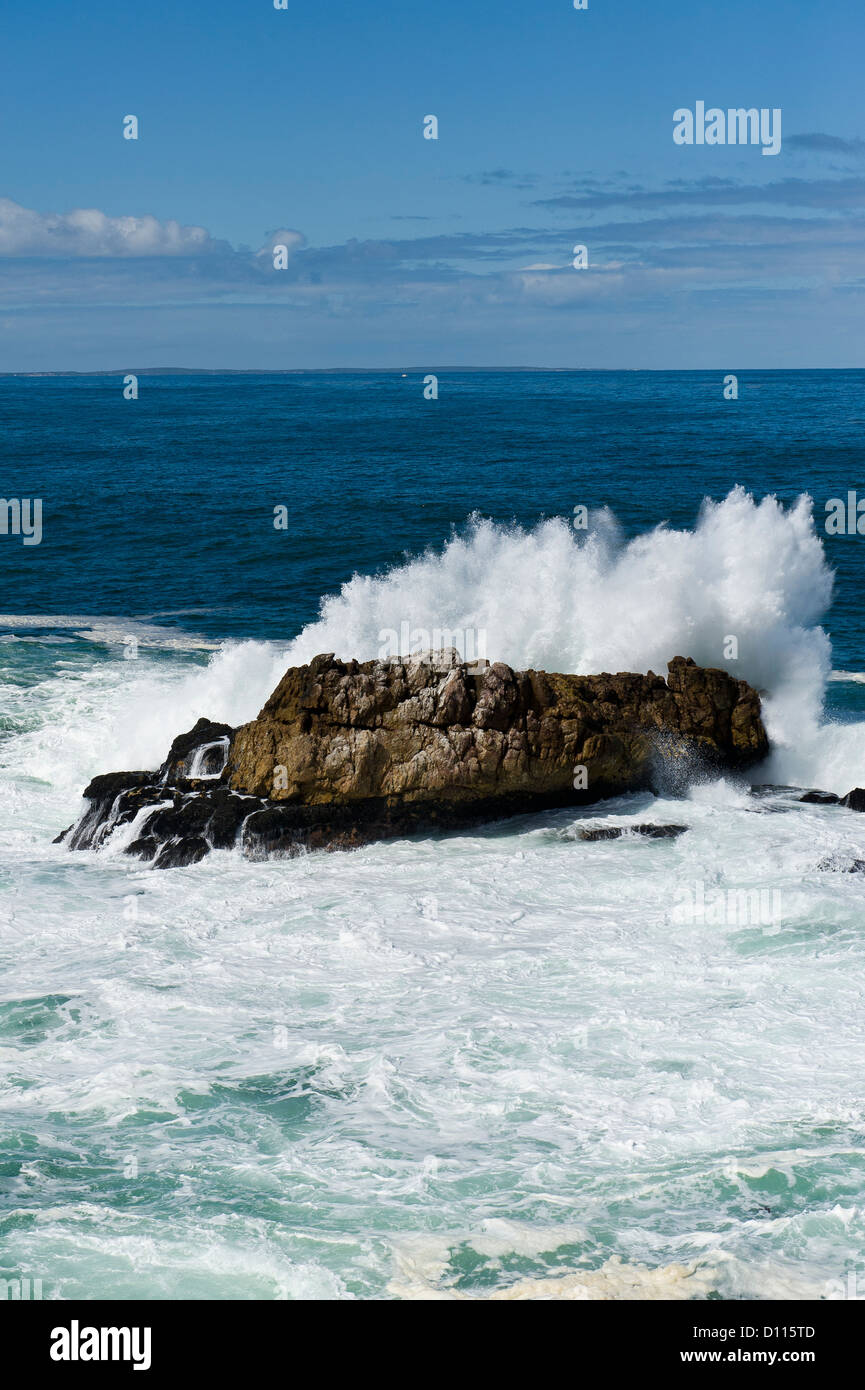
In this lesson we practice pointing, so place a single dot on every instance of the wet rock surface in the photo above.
(200, 753)
(835, 865)
(346, 752)
(648, 832)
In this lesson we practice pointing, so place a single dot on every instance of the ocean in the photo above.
(499, 1064)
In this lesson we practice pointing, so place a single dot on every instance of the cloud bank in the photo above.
(89, 232)
(674, 269)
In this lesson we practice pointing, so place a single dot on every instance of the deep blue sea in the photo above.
(165, 504)
(504, 1064)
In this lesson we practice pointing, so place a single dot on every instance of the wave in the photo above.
(559, 599)
(745, 589)
(104, 631)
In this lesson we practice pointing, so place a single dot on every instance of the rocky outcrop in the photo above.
(627, 832)
(200, 754)
(839, 865)
(346, 752)
(853, 801)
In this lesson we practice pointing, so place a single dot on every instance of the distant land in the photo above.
(402, 371)
(299, 371)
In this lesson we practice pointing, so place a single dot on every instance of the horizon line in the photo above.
(396, 371)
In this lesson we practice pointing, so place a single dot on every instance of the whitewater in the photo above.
(490, 1065)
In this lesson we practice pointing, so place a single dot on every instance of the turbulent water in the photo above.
(506, 1064)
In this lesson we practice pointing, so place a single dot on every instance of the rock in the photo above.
(199, 753)
(172, 809)
(178, 853)
(855, 800)
(617, 832)
(343, 753)
(771, 788)
(343, 732)
(108, 796)
(842, 866)
(818, 798)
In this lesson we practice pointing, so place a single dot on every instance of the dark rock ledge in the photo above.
(344, 753)
(638, 832)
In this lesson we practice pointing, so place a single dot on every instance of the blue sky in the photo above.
(305, 126)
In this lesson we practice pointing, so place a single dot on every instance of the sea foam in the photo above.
(559, 599)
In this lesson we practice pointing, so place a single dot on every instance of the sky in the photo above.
(304, 127)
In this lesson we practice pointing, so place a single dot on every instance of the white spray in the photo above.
(560, 599)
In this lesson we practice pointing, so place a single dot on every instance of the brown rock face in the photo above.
(437, 730)
(344, 753)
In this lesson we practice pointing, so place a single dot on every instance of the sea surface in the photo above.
(504, 1064)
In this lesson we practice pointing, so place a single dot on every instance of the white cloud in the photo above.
(89, 232)
(291, 240)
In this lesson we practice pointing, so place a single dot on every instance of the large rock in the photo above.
(342, 732)
(345, 752)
